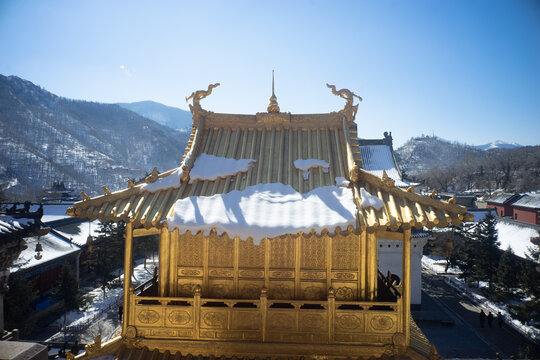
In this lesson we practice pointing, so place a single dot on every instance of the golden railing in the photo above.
(263, 319)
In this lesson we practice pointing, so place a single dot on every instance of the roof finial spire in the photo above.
(273, 107)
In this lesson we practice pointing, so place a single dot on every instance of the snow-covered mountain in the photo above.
(165, 115)
(498, 144)
(45, 138)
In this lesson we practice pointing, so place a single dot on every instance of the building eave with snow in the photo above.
(268, 234)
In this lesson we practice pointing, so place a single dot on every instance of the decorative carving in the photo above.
(344, 293)
(411, 188)
(190, 250)
(281, 321)
(313, 293)
(349, 110)
(282, 274)
(354, 173)
(187, 289)
(215, 319)
(130, 183)
(271, 118)
(280, 291)
(399, 339)
(313, 253)
(247, 321)
(344, 252)
(250, 291)
(220, 252)
(452, 200)
(84, 196)
(348, 322)
(148, 316)
(312, 322)
(221, 273)
(251, 273)
(313, 275)
(190, 272)
(105, 190)
(344, 276)
(220, 291)
(152, 177)
(432, 195)
(387, 181)
(69, 356)
(282, 250)
(94, 347)
(131, 332)
(179, 317)
(197, 96)
(382, 322)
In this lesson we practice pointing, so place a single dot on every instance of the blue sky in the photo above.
(464, 70)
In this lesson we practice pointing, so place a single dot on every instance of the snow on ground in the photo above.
(518, 238)
(210, 167)
(306, 164)
(437, 264)
(369, 200)
(102, 316)
(265, 210)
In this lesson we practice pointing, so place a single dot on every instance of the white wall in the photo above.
(390, 256)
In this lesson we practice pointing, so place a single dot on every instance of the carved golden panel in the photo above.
(313, 323)
(221, 273)
(190, 248)
(313, 291)
(189, 272)
(345, 292)
(251, 273)
(251, 255)
(214, 319)
(186, 287)
(282, 274)
(313, 275)
(163, 332)
(250, 290)
(148, 317)
(246, 320)
(382, 323)
(281, 290)
(179, 318)
(349, 322)
(313, 252)
(345, 252)
(344, 276)
(282, 252)
(220, 251)
(221, 289)
(281, 321)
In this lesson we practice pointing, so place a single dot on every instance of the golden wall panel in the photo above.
(313, 275)
(345, 252)
(179, 316)
(246, 320)
(250, 255)
(250, 289)
(149, 316)
(282, 253)
(221, 289)
(385, 322)
(254, 274)
(281, 290)
(221, 273)
(191, 250)
(220, 251)
(282, 274)
(183, 272)
(349, 321)
(345, 291)
(313, 252)
(214, 318)
(344, 276)
(186, 287)
(313, 321)
(313, 290)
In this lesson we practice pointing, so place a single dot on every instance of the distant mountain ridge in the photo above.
(46, 138)
(165, 115)
(498, 144)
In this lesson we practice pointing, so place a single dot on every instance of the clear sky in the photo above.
(465, 70)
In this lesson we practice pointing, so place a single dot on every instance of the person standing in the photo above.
(482, 317)
(490, 319)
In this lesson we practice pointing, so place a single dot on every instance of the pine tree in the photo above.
(68, 291)
(107, 252)
(18, 304)
(506, 273)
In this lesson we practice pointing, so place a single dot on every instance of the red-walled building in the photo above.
(503, 203)
(527, 209)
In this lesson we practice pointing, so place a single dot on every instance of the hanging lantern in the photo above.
(39, 250)
(89, 241)
(39, 247)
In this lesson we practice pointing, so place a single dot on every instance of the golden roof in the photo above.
(275, 141)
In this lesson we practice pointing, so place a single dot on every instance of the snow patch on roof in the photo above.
(306, 164)
(10, 224)
(170, 181)
(265, 211)
(341, 181)
(78, 233)
(210, 167)
(376, 158)
(517, 237)
(369, 200)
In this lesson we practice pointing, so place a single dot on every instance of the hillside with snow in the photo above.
(498, 144)
(45, 138)
(165, 115)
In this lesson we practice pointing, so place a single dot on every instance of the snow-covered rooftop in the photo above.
(10, 224)
(529, 201)
(503, 198)
(515, 236)
(376, 158)
(265, 210)
(53, 247)
(78, 233)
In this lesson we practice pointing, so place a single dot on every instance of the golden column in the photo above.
(128, 258)
(406, 281)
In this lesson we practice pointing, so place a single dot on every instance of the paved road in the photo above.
(450, 321)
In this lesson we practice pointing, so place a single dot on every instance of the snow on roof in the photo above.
(54, 212)
(78, 233)
(376, 158)
(517, 237)
(529, 201)
(369, 200)
(210, 167)
(306, 164)
(53, 247)
(205, 167)
(503, 198)
(265, 211)
(9, 224)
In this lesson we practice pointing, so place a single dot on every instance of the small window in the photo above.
(515, 216)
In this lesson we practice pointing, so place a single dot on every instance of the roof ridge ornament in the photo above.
(273, 106)
(349, 110)
(197, 96)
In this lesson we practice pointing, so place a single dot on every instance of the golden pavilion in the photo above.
(268, 244)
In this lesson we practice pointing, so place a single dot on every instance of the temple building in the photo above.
(268, 244)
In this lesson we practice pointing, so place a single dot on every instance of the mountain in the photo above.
(45, 138)
(498, 144)
(418, 155)
(165, 115)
